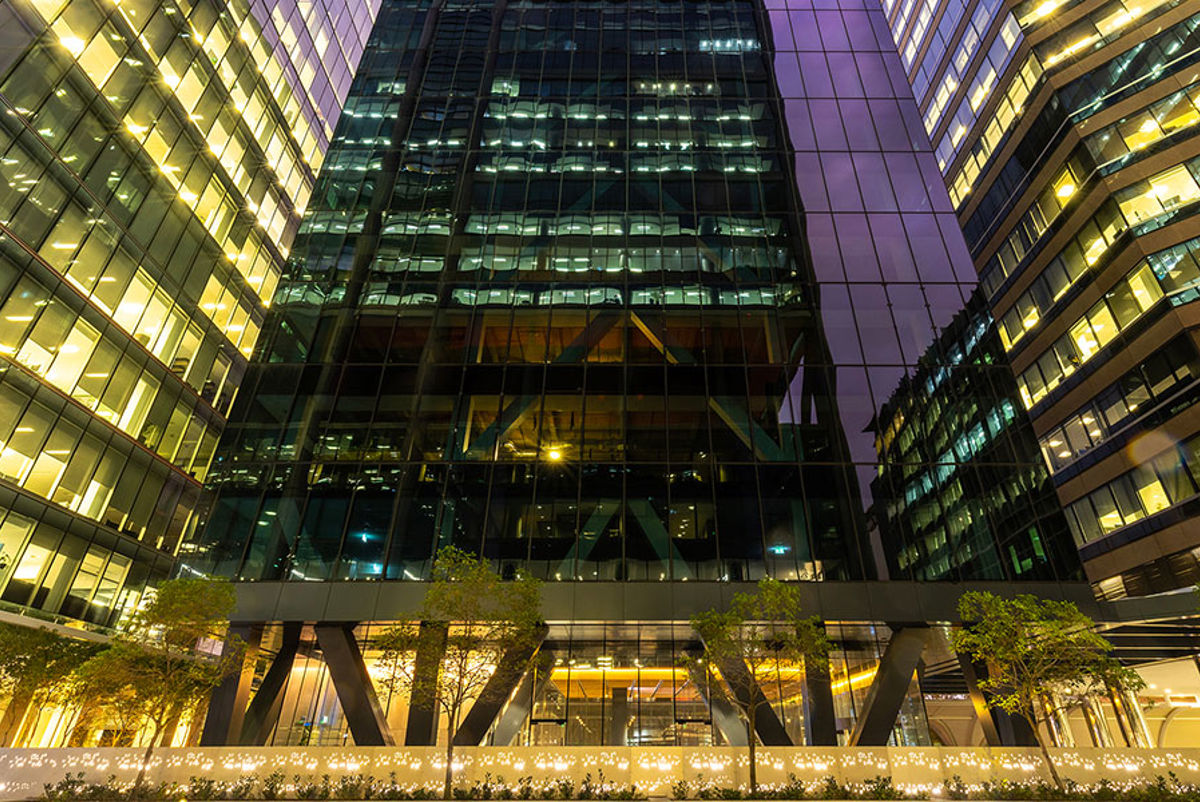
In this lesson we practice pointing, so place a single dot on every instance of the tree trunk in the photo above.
(751, 741)
(448, 782)
(1037, 734)
(141, 777)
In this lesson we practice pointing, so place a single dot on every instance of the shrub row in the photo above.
(362, 787)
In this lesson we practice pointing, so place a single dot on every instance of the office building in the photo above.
(155, 158)
(1065, 132)
(609, 294)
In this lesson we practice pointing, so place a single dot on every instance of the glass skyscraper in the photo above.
(155, 157)
(1066, 132)
(566, 316)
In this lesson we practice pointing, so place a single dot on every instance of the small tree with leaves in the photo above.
(484, 618)
(36, 668)
(758, 632)
(1037, 651)
(167, 661)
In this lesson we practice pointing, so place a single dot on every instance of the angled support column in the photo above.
(724, 715)
(820, 719)
(227, 705)
(892, 681)
(519, 707)
(497, 691)
(356, 692)
(767, 725)
(999, 728)
(263, 713)
(421, 729)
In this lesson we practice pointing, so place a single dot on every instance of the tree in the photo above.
(484, 618)
(167, 661)
(1037, 651)
(36, 666)
(757, 633)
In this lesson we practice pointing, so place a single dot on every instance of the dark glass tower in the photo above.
(553, 301)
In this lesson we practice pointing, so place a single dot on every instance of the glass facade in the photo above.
(154, 161)
(1071, 164)
(564, 315)
(614, 294)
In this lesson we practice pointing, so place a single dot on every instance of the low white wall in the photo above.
(652, 769)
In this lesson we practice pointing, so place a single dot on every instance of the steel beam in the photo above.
(999, 728)
(520, 706)
(500, 686)
(356, 692)
(724, 715)
(875, 721)
(263, 713)
(769, 728)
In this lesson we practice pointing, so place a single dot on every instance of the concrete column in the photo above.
(520, 706)
(1130, 719)
(263, 713)
(1097, 722)
(724, 715)
(227, 704)
(744, 686)
(1057, 724)
(999, 728)
(421, 729)
(820, 719)
(618, 721)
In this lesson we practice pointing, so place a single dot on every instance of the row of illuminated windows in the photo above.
(704, 259)
(1150, 488)
(85, 247)
(1152, 61)
(947, 89)
(1121, 306)
(917, 35)
(63, 573)
(52, 340)
(639, 109)
(1084, 249)
(49, 340)
(1159, 57)
(618, 164)
(1149, 125)
(1141, 202)
(952, 14)
(91, 472)
(214, 108)
(172, 146)
(1007, 112)
(987, 75)
(1097, 29)
(1131, 395)
(1037, 219)
(102, 266)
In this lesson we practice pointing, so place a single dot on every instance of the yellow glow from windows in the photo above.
(73, 44)
(1065, 190)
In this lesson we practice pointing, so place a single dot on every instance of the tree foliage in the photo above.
(758, 630)
(37, 665)
(164, 665)
(1037, 652)
(483, 617)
